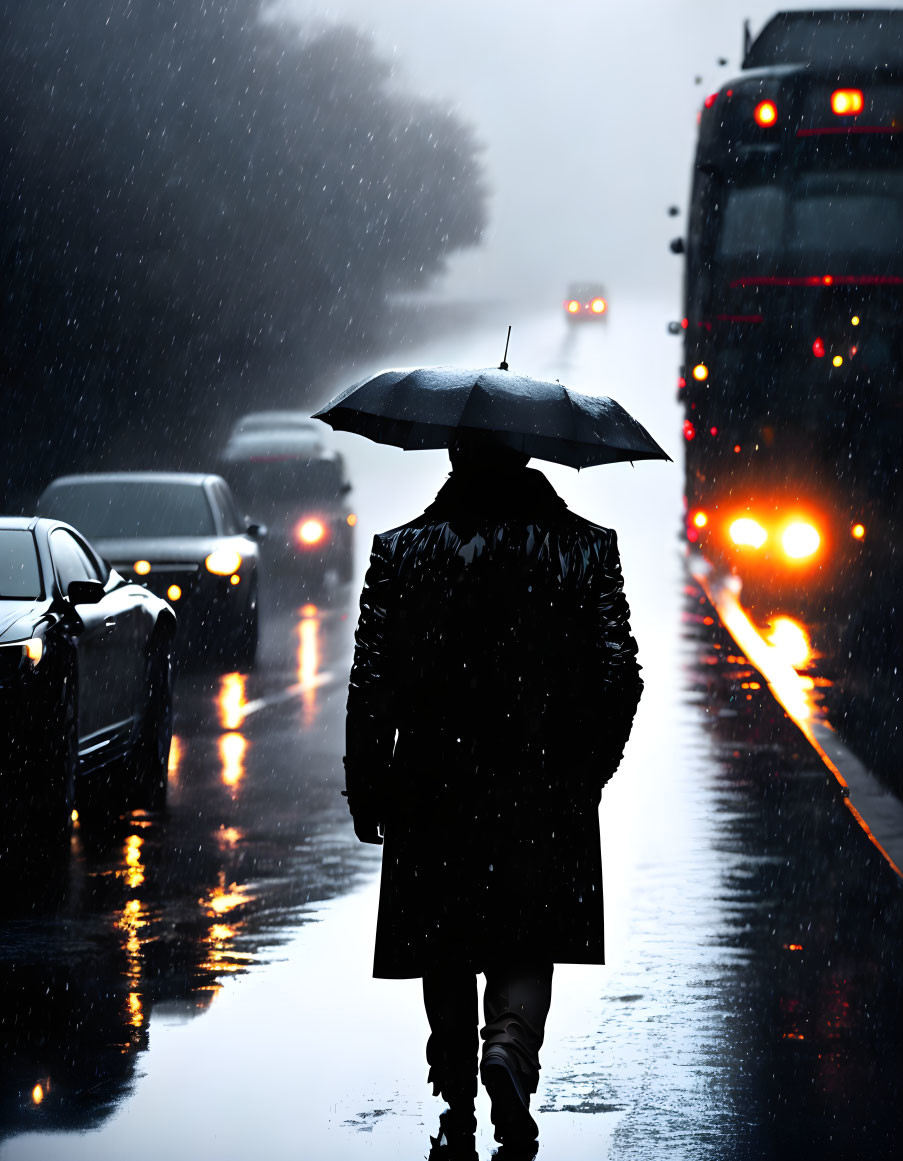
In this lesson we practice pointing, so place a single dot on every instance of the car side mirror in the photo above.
(257, 531)
(85, 592)
(346, 488)
(674, 328)
(677, 246)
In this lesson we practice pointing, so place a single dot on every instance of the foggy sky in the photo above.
(588, 112)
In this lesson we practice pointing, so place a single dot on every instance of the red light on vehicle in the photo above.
(713, 431)
(684, 322)
(681, 382)
(818, 349)
(828, 279)
(573, 306)
(847, 102)
(310, 532)
(710, 100)
(689, 430)
(598, 306)
(737, 448)
(765, 114)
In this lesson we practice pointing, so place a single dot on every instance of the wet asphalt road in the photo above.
(197, 984)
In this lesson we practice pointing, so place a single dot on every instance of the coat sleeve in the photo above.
(620, 671)
(370, 722)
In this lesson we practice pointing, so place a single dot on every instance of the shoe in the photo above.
(514, 1127)
(456, 1140)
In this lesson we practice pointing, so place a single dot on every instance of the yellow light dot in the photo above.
(855, 320)
(700, 519)
(173, 592)
(142, 567)
(858, 531)
(74, 815)
(837, 360)
(37, 1094)
(351, 519)
(700, 372)
(234, 580)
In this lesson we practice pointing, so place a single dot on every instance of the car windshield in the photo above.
(131, 509)
(285, 482)
(20, 574)
(831, 222)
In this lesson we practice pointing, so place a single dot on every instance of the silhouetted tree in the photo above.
(188, 189)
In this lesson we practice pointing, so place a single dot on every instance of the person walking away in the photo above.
(493, 689)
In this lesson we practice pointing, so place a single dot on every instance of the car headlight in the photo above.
(33, 649)
(310, 532)
(223, 562)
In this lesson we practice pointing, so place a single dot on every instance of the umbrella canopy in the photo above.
(426, 407)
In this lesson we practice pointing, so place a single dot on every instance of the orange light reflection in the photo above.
(232, 749)
(232, 700)
(176, 754)
(134, 873)
(308, 662)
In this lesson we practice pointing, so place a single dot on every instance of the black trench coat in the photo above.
(493, 689)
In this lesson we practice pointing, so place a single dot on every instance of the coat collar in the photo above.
(506, 495)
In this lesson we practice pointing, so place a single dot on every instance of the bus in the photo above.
(793, 339)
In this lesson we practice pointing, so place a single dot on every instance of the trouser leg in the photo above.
(515, 1006)
(450, 999)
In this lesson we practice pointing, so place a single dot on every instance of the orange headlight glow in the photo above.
(311, 531)
(223, 561)
(700, 372)
(598, 306)
(847, 102)
(173, 593)
(747, 532)
(765, 114)
(858, 531)
(141, 567)
(573, 306)
(800, 540)
(351, 519)
(700, 519)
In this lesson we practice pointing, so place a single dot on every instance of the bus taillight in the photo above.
(765, 114)
(847, 102)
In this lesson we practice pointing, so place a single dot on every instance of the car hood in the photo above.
(18, 619)
(175, 549)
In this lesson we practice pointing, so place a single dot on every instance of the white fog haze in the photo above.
(587, 111)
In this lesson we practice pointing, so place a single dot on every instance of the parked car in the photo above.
(180, 535)
(85, 677)
(297, 422)
(299, 487)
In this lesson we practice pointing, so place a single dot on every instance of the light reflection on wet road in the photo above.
(749, 1008)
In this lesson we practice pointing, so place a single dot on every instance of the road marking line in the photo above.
(287, 694)
(883, 808)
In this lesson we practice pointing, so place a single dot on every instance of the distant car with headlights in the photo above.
(586, 302)
(85, 678)
(180, 535)
(299, 487)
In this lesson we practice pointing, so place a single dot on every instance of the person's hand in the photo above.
(366, 828)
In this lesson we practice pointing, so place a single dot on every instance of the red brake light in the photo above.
(847, 102)
(765, 114)
(818, 349)
(710, 100)
(689, 430)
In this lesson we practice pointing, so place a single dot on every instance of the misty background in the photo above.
(210, 206)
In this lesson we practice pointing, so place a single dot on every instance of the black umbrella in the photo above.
(425, 407)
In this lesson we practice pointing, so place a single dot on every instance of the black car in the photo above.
(300, 488)
(85, 677)
(179, 534)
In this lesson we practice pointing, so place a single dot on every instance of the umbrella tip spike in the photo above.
(503, 366)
